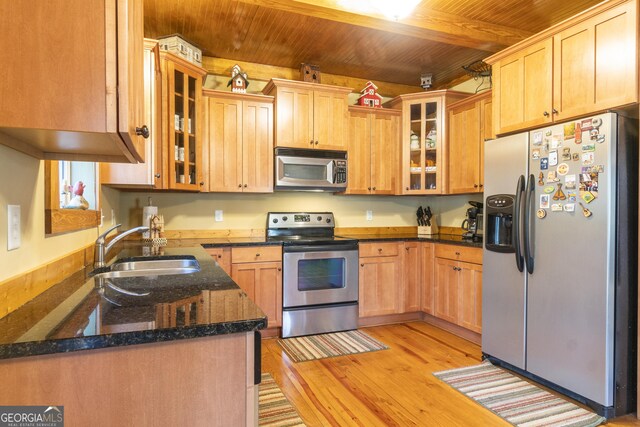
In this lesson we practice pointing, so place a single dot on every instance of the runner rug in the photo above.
(273, 407)
(314, 347)
(515, 400)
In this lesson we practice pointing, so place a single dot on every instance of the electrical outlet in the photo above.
(218, 216)
(13, 234)
(369, 215)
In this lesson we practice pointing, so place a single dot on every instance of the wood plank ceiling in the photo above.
(439, 37)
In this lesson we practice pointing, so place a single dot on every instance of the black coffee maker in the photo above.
(473, 224)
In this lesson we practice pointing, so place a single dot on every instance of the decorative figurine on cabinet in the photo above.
(310, 73)
(238, 82)
(78, 201)
(370, 97)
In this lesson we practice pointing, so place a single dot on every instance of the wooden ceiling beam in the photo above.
(422, 24)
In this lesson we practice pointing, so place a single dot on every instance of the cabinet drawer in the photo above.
(379, 249)
(459, 253)
(256, 254)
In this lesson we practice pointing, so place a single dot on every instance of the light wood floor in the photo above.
(386, 388)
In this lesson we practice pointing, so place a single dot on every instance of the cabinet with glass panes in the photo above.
(423, 140)
(182, 133)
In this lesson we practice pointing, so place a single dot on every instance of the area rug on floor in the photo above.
(273, 407)
(515, 400)
(314, 347)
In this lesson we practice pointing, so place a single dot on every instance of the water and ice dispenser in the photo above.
(499, 211)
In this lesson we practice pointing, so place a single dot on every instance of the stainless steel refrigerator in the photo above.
(560, 259)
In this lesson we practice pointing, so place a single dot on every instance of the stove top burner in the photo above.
(303, 228)
(309, 240)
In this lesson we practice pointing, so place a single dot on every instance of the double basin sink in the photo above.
(150, 267)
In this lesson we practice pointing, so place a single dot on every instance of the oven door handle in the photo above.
(320, 248)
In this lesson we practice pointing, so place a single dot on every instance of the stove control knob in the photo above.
(319, 218)
(275, 220)
(284, 218)
(328, 220)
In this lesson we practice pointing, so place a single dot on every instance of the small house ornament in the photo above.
(310, 73)
(238, 82)
(370, 97)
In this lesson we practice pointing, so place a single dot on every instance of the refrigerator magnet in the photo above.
(566, 154)
(578, 139)
(549, 189)
(571, 196)
(544, 201)
(586, 124)
(535, 154)
(600, 139)
(593, 169)
(537, 138)
(587, 158)
(553, 158)
(552, 177)
(586, 212)
(544, 163)
(541, 213)
(569, 207)
(563, 169)
(559, 194)
(556, 142)
(589, 147)
(575, 157)
(569, 131)
(556, 207)
(593, 134)
(596, 122)
(540, 178)
(570, 182)
(589, 184)
(587, 196)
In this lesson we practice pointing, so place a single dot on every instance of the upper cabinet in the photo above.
(423, 140)
(581, 66)
(239, 136)
(182, 127)
(309, 115)
(374, 135)
(468, 120)
(76, 98)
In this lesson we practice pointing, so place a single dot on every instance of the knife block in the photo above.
(428, 230)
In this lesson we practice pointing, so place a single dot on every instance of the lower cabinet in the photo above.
(411, 284)
(380, 279)
(458, 286)
(222, 257)
(427, 271)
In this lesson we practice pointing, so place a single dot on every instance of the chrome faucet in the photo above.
(103, 248)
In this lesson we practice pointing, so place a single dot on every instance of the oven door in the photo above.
(315, 275)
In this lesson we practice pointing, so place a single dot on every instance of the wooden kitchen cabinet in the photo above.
(258, 272)
(467, 120)
(422, 149)
(152, 173)
(584, 65)
(458, 286)
(73, 98)
(374, 135)
(427, 275)
(222, 257)
(380, 279)
(412, 280)
(182, 127)
(239, 134)
(309, 115)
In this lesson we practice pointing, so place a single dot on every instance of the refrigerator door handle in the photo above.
(516, 224)
(527, 225)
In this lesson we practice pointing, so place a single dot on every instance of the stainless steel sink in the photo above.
(151, 267)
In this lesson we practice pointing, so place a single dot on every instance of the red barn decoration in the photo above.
(238, 80)
(370, 97)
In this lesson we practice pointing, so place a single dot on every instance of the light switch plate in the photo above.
(369, 215)
(13, 231)
(218, 216)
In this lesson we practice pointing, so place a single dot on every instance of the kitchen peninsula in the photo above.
(78, 330)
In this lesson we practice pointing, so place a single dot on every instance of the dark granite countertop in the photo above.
(75, 315)
(436, 238)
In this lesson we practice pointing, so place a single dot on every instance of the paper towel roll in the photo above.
(147, 213)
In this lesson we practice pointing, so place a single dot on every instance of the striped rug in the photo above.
(515, 400)
(274, 410)
(314, 347)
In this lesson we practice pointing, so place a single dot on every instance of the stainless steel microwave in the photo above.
(310, 170)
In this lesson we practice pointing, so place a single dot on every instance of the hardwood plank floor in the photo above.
(392, 387)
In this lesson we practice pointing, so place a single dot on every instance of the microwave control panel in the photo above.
(340, 172)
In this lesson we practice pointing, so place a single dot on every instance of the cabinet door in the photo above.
(294, 117)
(225, 144)
(359, 146)
(385, 136)
(446, 290)
(464, 149)
(380, 279)
(486, 132)
(470, 296)
(595, 65)
(330, 120)
(522, 88)
(412, 277)
(427, 276)
(222, 257)
(257, 147)
(263, 284)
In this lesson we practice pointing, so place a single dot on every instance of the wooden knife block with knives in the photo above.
(426, 226)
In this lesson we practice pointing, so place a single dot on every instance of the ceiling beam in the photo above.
(423, 24)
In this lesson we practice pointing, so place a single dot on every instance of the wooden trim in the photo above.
(214, 234)
(470, 100)
(551, 31)
(190, 66)
(389, 319)
(238, 96)
(261, 232)
(474, 337)
(17, 291)
(377, 111)
(273, 83)
(28, 149)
